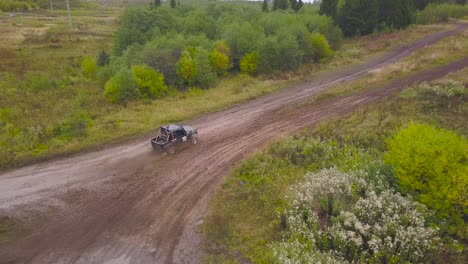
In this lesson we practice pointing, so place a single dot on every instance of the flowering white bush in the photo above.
(338, 217)
(384, 227)
(446, 88)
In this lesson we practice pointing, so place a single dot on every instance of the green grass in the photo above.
(244, 212)
(42, 86)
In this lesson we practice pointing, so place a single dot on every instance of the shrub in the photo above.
(446, 89)
(205, 76)
(242, 38)
(38, 83)
(89, 66)
(162, 54)
(434, 13)
(320, 47)
(432, 165)
(187, 69)
(74, 125)
(219, 58)
(249, 63)
(150, 82)
(103, 58)
(337, 217)
(121, 88)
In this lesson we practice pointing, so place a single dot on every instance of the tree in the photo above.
(320, 47)
(265, 6)
(173, 3)
(329, 8)
(157, 3)
(219, 58)
(150, 82)
(187, 69)
(395, 13)
(249, 63)
(280, 4)
(103, 58)
(296, 5)
(121, 88)
(431, 164)
(88, 66)
(421, 4)
(359, 17)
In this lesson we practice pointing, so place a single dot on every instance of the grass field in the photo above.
(48, 107)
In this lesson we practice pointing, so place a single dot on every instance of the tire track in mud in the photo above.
(129, 205)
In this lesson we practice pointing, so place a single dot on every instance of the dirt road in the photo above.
(127, 204)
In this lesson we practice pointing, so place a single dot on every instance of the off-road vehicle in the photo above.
(171, 137)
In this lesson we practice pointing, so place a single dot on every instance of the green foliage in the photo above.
(17, 5)
(249, 63)
(36, 82)
(432, 164)
(438, 13)
(296, 5)
(358, 17)
(329, 8)
(205, 76)
(121, 88)
(150, 82)
(395, 13)
(89, 66)
(265, 6)
(74, 125)
(320, 47)
(280, 4)
(173, 4)
(103, 58)
(219, 58)
(242, 38)
(187, 69)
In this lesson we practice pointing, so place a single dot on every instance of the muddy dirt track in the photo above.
(127, 204)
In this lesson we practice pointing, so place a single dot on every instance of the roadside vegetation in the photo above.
(63, 90)
(384, 184)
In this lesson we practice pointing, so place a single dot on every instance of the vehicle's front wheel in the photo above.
(194, 140)
(171, 150)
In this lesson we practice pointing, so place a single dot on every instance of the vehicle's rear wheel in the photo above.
(171, 150)
(194, 140)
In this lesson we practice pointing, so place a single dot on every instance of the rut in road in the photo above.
(128, 205)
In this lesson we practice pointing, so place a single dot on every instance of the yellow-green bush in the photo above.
(187, 69)
(150, 82)
(320, 46)
(432, 165)
(220, 61)
(249, 63)
(121, 88)
(89, 66)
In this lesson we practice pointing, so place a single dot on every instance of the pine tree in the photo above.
(265, 6)
(297, 5)
(103, 58)
(359, 17)
(280, 4)
(421, 4)
(395, 13)
(329, 8)
(173, 4)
